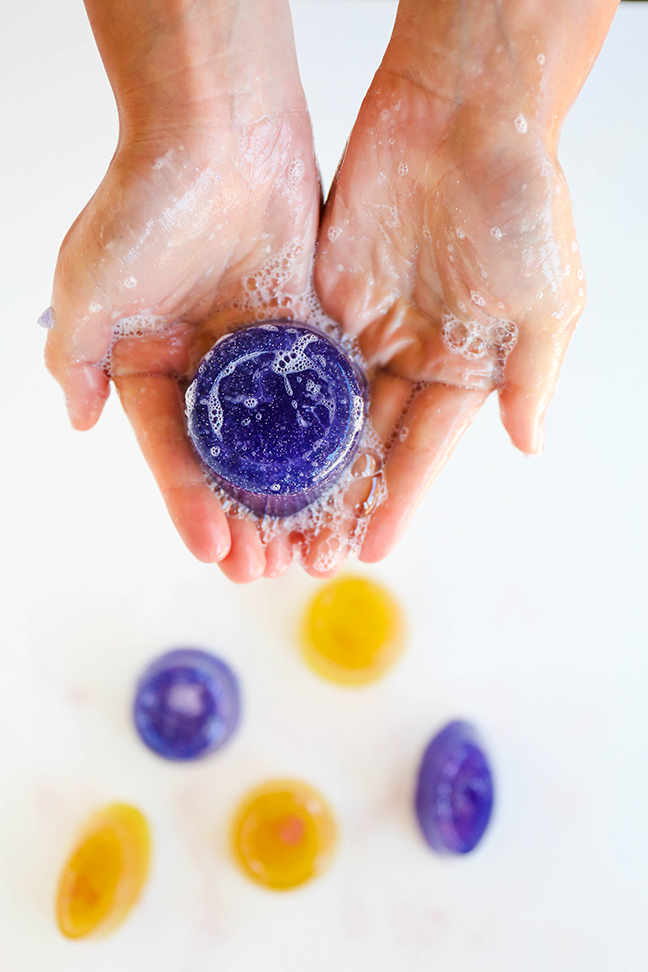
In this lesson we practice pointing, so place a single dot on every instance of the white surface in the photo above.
(524, 582)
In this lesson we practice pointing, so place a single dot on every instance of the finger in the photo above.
(530, 380)
(85, 386)
(246, 560)
(154, 408)
(390, 397)
(431, 428)
(278, 556)
(326, 553)
(73, 357)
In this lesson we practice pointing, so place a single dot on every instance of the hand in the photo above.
(447, 244)
(189, 211)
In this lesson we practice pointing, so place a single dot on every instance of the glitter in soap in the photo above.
(275, 413)
(105, 873)
(186, 704)
(454, 794)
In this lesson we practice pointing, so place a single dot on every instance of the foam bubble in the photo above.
(136, 325)
(521, 124)
(334, 233)
(496, 233)
(540, 59)
(403, 169)
(293, 176)
(494, 338)
(130, 282)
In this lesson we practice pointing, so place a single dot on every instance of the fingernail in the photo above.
(46, 319)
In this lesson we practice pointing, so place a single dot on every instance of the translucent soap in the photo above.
(275, 413)
(454, 794)
(105, 874)
(353, 630)
(283, 834)
(186, 704)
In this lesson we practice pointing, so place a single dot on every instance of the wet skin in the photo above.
(450, 205)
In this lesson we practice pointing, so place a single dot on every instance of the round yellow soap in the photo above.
(105, 873)
(353, 630)
(283, 834)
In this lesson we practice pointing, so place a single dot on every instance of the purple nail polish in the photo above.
(186, 704)
(454, 793)
(275, 413)
(46, 320)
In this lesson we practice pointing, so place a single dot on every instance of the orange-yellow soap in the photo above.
(353, 630)
(105, 873)
(283, 834)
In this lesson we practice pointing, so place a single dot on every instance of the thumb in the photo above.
(74, 355)
(80, 327)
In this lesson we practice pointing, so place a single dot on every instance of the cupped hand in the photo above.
(186, 235)
(448, 248)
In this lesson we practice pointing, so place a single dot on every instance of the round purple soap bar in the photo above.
(454, 793)
(186, 704)
(275, 413)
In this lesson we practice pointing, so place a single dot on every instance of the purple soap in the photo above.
(454, 793)
(275, 413)
(186, 704)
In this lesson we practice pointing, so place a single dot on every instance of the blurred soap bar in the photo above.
(186, 704)
(454, 794)
(275, 412)
(283, 834)
(352, 631)
(105, 874)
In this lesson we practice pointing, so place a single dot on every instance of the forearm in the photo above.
(529, 57)
(179, 65)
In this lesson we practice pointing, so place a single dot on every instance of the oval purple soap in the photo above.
(186, 704)
(275, 413)
(454, 793)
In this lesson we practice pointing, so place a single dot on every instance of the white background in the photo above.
(524, 584)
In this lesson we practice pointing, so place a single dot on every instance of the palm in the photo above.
(442, 230)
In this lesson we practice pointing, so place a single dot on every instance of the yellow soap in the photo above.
(105, 873)
(283, 834)
(353, 630)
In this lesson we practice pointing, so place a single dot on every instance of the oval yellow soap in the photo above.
(353, 630)
(283, 834)
(105, 873)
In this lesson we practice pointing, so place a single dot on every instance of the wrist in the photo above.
(518, 59)
(190, 68)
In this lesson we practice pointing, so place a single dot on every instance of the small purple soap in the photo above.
(186, 704)
(454, 793)
(275, 413)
